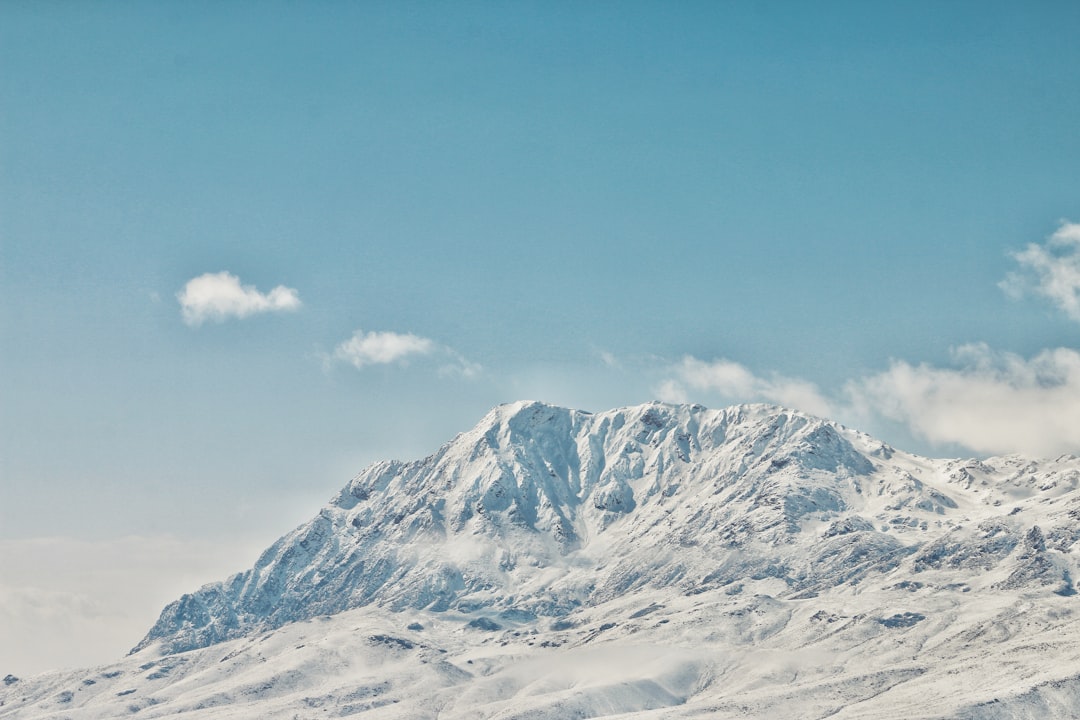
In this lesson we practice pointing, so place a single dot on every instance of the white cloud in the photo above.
(381, 348)
(993, 402)
(734, 382)
(1051, 270)
(219, 296)
(387, 347)
(989, 402)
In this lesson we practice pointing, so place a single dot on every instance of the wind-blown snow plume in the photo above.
(735, 383)
(220, 296)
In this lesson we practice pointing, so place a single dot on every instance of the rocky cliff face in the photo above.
(541, 511)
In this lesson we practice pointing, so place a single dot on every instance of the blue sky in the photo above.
(861, 210)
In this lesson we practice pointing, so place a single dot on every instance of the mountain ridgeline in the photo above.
(541, 511)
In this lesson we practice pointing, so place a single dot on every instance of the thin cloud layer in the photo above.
(736, 383)
(38, 625)
(219, 296)
(67, 602)
(990, 402)
(993, 402)
(1051, 270)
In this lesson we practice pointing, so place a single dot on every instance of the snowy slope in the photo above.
(665, 561)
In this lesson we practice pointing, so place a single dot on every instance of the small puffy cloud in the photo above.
(1051, 270)
(734, 382)
(381, 348)
(387, 347)
(992, 402)
(220, 296)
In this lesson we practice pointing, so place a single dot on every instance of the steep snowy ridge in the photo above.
(750, 561)
(486, 522)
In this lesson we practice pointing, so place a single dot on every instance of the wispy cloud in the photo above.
(459, 366)
(387, 347)
(607, 358)
(992, 402)
(220, 296)
(736, 383)
(1051, 269)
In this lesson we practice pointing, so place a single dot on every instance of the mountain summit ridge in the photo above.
(539, 510)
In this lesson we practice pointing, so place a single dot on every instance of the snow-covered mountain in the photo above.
(672, 561)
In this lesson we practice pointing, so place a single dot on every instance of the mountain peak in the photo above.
(501, 520)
